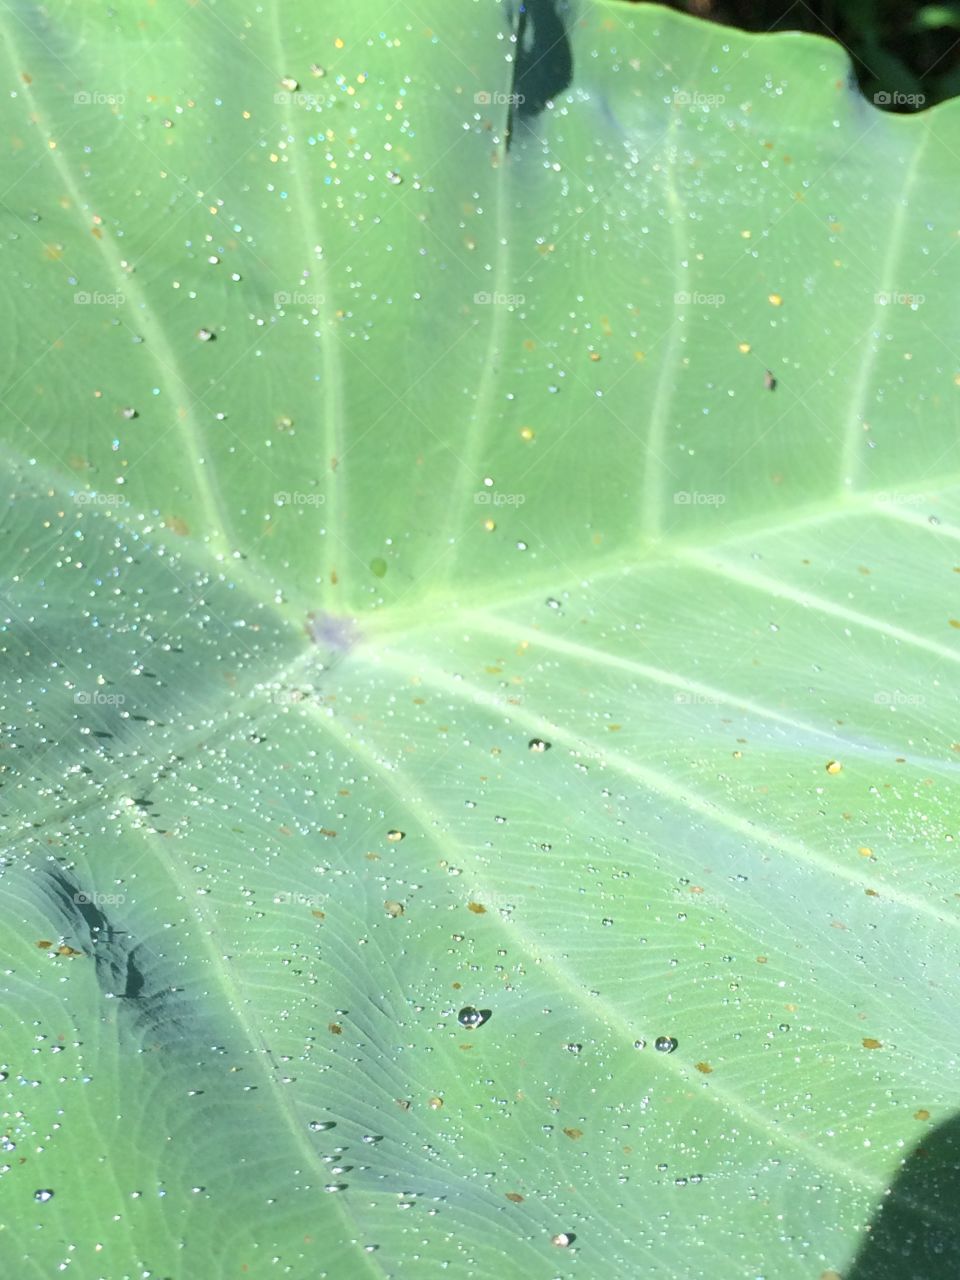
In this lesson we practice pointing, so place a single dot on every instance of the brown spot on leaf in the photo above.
(922, 1114)
(43, 944)
(515, 1197)
(870, 1043)
(705, 1067)
(476, 908)
(336, 1028)
(574, 1133)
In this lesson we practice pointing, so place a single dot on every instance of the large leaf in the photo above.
(349, 452)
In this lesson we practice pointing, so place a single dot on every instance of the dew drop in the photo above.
(665, 1044)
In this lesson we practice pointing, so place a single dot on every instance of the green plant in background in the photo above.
(480, 628)
(905, 54)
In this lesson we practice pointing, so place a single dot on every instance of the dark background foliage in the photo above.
(906, 55)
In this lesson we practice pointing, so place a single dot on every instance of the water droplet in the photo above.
(395, 836)
(321, 1126)
(471, 1017)
(573, 1048)
(833, 766)
(665, 1044)
(539, 745)
(205, 335)
(639, 1044)
(563, 1240)
(394, 177)
(43, 1195)
(128, 413)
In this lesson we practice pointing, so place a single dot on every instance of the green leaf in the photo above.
(446, 577)
(934, 17)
